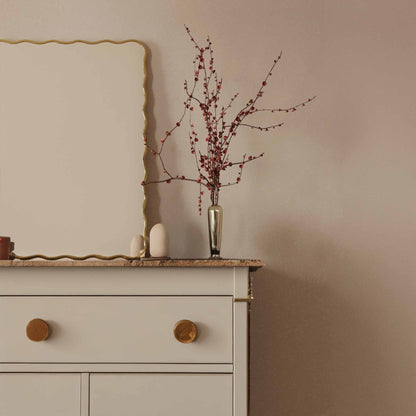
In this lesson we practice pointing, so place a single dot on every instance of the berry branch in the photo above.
(218, 135)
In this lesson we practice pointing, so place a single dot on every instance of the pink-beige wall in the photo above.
(331, 207)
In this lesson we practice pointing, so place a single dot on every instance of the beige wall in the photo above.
(331, 206)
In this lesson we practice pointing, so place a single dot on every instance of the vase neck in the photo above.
(215, 193)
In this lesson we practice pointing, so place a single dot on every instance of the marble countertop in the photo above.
(149, 262)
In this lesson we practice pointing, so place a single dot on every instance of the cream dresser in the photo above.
(124, 338)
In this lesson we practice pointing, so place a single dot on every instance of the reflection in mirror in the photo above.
(71, 146)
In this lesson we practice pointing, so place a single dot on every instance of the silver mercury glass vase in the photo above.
(215, 230)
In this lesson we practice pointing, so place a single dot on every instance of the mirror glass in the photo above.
(71, 146)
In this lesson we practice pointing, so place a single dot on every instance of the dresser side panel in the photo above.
(241, 343)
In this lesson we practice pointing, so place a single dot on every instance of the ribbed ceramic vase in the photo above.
(215, 230)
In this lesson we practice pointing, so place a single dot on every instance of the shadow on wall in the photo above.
(313, 353)
(152, 193)
(153, 210)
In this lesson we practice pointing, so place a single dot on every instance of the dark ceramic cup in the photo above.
(6, 247)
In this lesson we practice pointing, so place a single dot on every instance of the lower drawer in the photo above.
(161, 394)
(40, 394)
(129, 329)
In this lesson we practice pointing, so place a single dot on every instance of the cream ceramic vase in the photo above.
(137, 246)
(159, 241)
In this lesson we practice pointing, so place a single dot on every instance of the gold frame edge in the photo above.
(114, 42)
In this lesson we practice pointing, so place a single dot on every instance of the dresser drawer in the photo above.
(40, 394)
(116, 329)
(161, 394)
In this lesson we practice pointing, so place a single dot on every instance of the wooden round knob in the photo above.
(185, 331)
(37, 330)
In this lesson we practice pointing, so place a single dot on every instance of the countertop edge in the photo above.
(252, 264)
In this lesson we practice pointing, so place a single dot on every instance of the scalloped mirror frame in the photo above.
(139, 188)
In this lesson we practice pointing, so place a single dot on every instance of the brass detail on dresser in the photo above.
(185, 331)
(248, 300)
(37, 330)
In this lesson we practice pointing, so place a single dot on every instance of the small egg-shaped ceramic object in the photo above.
(136, 246)
(159, 242)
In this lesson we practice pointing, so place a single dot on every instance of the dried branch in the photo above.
(218, 133)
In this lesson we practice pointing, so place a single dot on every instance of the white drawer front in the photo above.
(40, 394)
(161, 394)
(129, 329)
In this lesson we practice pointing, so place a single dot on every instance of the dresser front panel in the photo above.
(116, 329)
(40, 394)
(161, 394)
(114, 281)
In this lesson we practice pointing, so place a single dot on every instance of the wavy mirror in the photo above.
(71, 146)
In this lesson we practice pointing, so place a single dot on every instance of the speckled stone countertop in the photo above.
(252, 264)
